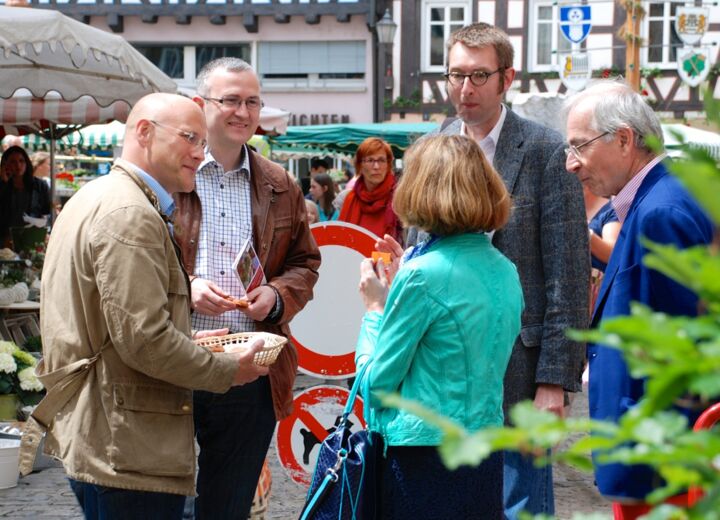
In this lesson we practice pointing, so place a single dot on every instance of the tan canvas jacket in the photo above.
(112, 284)
(287, 251)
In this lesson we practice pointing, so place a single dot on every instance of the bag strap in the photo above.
(62, 385)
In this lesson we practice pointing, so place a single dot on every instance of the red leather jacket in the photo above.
(287, 250)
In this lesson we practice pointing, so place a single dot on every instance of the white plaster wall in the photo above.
(517, 45)
(602, 13)
(515, 13)
(486, 11)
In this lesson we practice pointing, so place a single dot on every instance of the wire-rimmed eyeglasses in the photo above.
(477, 77)
(253, 104)
(191, 137)
(575, 149)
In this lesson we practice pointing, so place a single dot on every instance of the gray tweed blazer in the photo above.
(547, 239)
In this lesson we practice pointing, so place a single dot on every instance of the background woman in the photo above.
(41, 166)
(369, 204)
(443, 333)
(322, 190)
(24, 194)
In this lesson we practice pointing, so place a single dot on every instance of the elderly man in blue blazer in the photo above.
(606, 129)
(546, 238)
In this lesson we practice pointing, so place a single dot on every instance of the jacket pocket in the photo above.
(152, 430)
(177, 283)
(531, 335)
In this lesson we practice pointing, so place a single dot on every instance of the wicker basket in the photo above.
(265, 357)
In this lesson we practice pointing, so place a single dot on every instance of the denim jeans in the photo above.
(233, 431)
(526, 488)
(107, 503)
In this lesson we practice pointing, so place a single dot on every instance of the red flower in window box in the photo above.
(65, 177)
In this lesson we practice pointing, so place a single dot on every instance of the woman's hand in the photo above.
(388, 244)
(373, 286)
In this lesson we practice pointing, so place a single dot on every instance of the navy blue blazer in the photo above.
(664, 212)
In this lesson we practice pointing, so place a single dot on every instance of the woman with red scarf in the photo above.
(369, 204)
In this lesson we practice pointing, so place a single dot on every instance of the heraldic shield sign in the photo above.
(575, 70)
(693, 65)
(691, 23)
(575, 22)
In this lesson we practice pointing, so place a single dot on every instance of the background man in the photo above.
(115, 322)
(607, 126)
(546, 238)
(241, 196)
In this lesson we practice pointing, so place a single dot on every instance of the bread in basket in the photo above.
(242, 340)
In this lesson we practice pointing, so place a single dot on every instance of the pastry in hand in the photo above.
(240, 304)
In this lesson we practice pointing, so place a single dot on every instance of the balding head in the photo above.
(164, 135)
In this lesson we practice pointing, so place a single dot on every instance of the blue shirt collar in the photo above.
(165, 200)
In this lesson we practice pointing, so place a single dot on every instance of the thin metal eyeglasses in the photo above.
(370, 160)
(575, 149)
(233, 103)
(477, 78)
(191, 137)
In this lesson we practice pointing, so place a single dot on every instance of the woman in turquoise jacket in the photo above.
(442, 333)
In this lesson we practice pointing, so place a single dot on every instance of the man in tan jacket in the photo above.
(115, 322)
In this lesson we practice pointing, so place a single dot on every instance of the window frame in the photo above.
(533, 37)
(668, 27)
(427, 5)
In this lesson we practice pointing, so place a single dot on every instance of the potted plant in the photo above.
(18, 382)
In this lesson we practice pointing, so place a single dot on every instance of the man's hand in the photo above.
(247, 370)
(209, 299)
(209, 333)
(550, 398)
(388, 244)
(373, 286)
(260, 302)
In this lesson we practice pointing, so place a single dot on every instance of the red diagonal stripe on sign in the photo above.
(317, 429)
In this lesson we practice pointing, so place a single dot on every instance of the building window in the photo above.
(167, 58)
(183, 62)
(659, 32)
(545, 37)
(439, 20)
(314, 65)
(206, 53)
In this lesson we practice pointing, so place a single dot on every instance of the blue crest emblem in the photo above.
(575, 22)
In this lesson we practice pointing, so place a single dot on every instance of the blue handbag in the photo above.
(345, 483)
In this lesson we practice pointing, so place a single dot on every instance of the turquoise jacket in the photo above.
(444, 339)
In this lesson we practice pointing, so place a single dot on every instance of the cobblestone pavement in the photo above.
(46, 494)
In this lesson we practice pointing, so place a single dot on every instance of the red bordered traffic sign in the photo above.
(325, 332)
(315, 414)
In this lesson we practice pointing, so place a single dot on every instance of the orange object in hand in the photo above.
(377, 255)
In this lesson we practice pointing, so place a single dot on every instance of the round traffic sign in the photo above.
(326, 331)
(316, 413)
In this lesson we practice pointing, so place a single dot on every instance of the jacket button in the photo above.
(192, 241)
(186, 408)
(120, 400)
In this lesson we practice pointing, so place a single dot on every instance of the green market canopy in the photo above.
(345, 138)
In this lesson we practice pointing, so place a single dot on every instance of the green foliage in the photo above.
(679, 358)
(33, 344)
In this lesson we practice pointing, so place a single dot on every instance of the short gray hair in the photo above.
(227, 63)
(616, 105)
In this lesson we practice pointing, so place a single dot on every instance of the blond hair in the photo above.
(449, 187)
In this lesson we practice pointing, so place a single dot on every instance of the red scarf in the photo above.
(373, 208)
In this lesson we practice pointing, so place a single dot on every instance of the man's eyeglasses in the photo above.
(477, 78)
(253, 104)
(575, 149)
(371, 160)
(191, 137)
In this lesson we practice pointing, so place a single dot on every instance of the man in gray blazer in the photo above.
(546, 238)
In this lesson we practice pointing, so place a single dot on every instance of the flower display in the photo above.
(17, 371)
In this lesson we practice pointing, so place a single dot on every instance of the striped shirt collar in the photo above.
(244, 162)
(165, 200)
(624, 199)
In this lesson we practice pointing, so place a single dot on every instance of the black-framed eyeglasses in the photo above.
(477, 77)
(575, 149)
(191, 137)
(253, 104)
